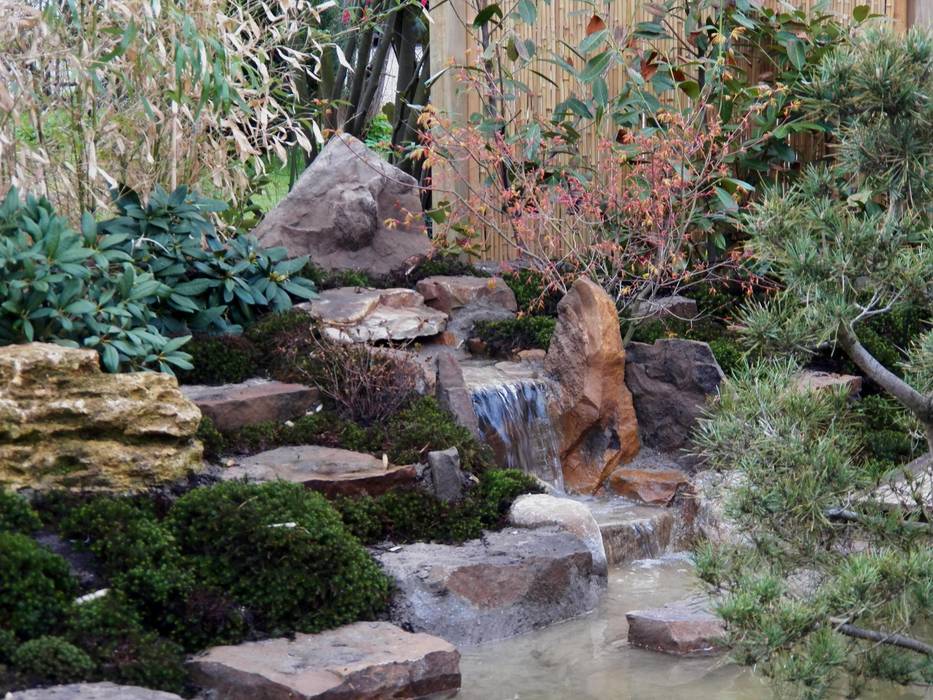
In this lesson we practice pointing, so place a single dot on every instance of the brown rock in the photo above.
(362, 661)
(330, 470)
(449, 293)
(655, 487)
(684, 628)
(338, 211)
(362, 314)
(531, 355)
(66, 424)
(476, 346)
(812, 380)
(670, 382)
(453, 394)
(595, 416)
(232, 406)
(509, 582)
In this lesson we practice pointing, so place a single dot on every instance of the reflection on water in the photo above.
(590, 659)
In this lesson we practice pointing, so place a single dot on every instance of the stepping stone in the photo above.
(632, 532)
(683, 628)
(504, 584)
(363, 315)
(656, 487)
(812, 380)
(362, 661)
(330, 470)
(92, 691)
(232, 406)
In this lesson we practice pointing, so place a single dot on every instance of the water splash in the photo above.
(514, 418)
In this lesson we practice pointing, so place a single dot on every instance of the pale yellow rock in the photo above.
(64, 423)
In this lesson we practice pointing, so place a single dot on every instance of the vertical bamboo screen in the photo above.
(453, 40)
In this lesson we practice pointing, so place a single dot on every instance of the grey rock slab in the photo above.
(328, 469)
(361, 661)
(502, 585)
(452, 393)
(92, 691)
(362, 314)
(233, 406)
(447, 479)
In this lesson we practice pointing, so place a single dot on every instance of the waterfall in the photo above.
(514, 418)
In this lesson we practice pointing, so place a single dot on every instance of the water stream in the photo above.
(511, 404)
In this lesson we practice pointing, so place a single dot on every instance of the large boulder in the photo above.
(595, 417)
(350, 210)
(232, 406)
(330, 470)
(540, 509)
(670, 382)
(363, 315)
(507, 583)
(685, 628)
(92, 691)
(362, 661)
(66, 424)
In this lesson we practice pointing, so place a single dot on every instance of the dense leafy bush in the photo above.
(111, 633)
(216, 283)
(51, 661)
(220, 359)
(16, 515)
(59, 285)
(124, 285)
(279, 338)
(504, 337)
(36, 587)
(409, 516)
(280, 550)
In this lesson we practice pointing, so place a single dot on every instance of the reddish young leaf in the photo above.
(596, 24)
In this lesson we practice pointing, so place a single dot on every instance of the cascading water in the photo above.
(514, 418)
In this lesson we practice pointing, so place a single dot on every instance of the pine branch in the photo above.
(897, 640)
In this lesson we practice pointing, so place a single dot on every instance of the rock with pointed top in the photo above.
(594, 414)
(350, 210)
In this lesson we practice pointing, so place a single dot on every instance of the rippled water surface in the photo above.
(589, 658)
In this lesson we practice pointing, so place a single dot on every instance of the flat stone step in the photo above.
(651, 486)
(365, 661)
(330, 470)
(233, 406)
(684, 628)
(632, 531)
(92, 691)
(507, 583)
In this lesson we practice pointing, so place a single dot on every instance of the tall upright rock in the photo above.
(350, 210)
(66, 424)
(594, 412)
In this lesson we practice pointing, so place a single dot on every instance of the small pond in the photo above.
(589, 658)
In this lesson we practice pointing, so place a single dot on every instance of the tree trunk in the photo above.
(915, 402)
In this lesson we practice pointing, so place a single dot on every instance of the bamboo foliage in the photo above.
(98, 94)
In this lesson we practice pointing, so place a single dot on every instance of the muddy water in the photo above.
(590, 659)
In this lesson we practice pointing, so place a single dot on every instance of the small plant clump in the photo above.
(504, 338)
(405, 438)
(413, 516)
